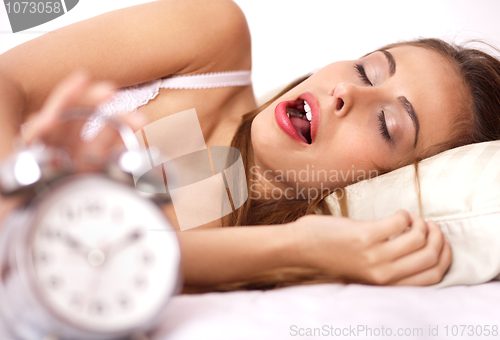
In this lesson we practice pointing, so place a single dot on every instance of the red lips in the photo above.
(285, 123)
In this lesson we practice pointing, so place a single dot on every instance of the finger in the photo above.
(65, 93)
(432, 275)
(421, 259)
(76, 90)
(396, 223)
(405, 243)
(86, 95)
(62, 94)
(96, 94)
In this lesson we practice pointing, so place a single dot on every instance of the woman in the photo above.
(387, 109)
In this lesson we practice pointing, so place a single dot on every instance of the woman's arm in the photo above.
(222, 255)
(130, 46)
(334, 249)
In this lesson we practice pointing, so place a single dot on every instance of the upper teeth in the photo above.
(307, 108)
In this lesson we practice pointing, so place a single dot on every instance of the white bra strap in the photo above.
(208, 80)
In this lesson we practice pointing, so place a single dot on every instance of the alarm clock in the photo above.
(89, 256)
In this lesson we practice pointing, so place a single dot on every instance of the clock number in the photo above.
(147, 258)
(70, 213)
(124, 302)
(42, 258)
(141, 282)
(54, 282)
(87, 209)
(94, 209)
(98, 307)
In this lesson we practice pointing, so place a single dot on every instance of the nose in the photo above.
(346, 95)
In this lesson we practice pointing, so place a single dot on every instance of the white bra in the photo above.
(129, 99)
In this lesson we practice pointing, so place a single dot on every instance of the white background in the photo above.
(293, 37)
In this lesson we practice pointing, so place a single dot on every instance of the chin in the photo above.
(261, 143)
(271, 147)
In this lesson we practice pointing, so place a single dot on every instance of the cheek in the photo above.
(358, 149)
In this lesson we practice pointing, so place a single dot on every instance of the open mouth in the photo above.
(300, 116)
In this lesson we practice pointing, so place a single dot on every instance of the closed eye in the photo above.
(383, 126)
(384, 131)
(362, 74)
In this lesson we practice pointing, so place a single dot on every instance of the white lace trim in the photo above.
(208, 80)
(130, 98)
(127, 100)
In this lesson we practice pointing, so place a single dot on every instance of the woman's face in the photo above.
(378, 112)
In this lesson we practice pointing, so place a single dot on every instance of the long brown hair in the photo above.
(478, 121)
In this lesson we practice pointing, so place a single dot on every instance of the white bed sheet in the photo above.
(270, 314)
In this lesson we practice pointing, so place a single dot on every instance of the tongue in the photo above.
(303, 128)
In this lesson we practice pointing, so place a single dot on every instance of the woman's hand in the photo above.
(379, 252)
(77, 90)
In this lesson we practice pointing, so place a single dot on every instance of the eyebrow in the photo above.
(411, 112)
(391, 61)
(402, 99)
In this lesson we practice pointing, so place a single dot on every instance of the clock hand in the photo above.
(75, 244)
(130, 238)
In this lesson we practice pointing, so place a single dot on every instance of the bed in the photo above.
(414, 312)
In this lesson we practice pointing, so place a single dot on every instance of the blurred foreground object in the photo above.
(88, 256)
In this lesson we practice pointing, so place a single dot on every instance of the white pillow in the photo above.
(460, 190)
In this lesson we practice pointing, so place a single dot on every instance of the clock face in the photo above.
(103, 258)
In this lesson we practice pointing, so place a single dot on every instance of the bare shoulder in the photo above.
(134, 45)
(221, 31)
